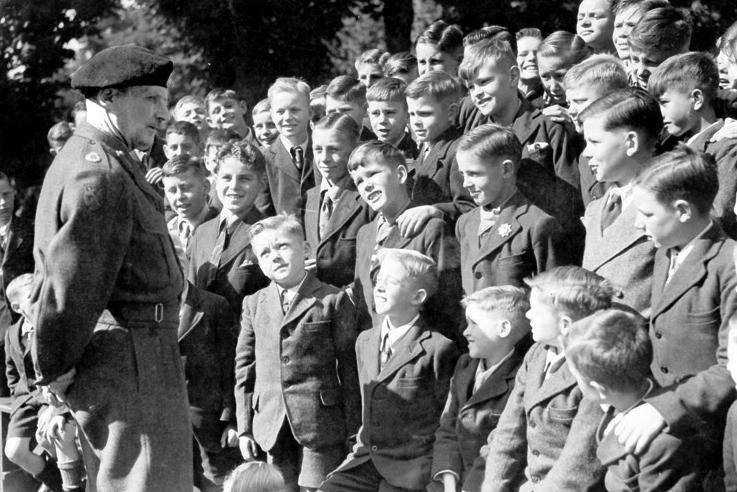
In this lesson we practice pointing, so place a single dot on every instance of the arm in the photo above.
(669, 464)
(461, 201)
(344, 337)
(564, 156)
(245, 371)
(226, 331)
(551, 246)
(446, 451)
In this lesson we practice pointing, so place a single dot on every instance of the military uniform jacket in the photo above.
(100, 239)
(287, 185)
(299, 366)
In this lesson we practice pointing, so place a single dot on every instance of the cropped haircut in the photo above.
(373, 56)
(665, 30)
(180, 164)
(376, 151)
(341, 123)
(218, 94)
(399, 63)
(420, 268)
(631, 108)
(682, 174)
(221, 136)
(500, 33)
(255, 476)
(190, 99)
(448, 38)
(387, 89)
(684, 73)
(570, 47)
(289, 84)
(513, 301)
(603, 71)
(490, 142)
(263, 106)
(489, 50)
(318, 93)
(59, 131)
(611, 347)
(728, 43)
(528, 32)
(642, 5)
(284, 223)
(346, 88)
(20, 287)
(442, 87)
(247, 153)
(573, 290)
(184, 128)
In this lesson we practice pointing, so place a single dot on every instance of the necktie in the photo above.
(185, 232)
(298, 156)
(612, 210)
(284, 299)
(673, 266)
(220, 244)
(488, 219)
(383, 231)
(325, 212)
(385, 352)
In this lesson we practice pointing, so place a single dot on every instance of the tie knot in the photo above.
(298, 156)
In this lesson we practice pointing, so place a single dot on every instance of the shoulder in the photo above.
(535, 352)
(466, 218)
(465, 363)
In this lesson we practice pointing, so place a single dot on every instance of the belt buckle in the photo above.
(159, 312)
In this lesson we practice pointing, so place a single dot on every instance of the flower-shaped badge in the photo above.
(505, 230)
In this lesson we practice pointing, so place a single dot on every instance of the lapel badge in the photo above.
(93, 157)
(505, 230)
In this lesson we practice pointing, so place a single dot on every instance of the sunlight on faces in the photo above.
(607, 151)
(395, 294)
(264, 128)
(546, 321)
(368, 73)
(138, 113)
(178, 144)
(226, 113)
(186, 193)
(7, 201)
(290, 112)
(594, 23)
(678, 111)
(429, 118)
(192, 113)
(527, 47)
(281, 256)
(642, 64)
(727, 71)
(430, 59)
(579, 98)
(331, 150)
(486, 182)
(484, 331)
(236, 186)
(493, 88)
(624, 21)
(380, 185)
(352, 109)
(661, 222)
(552, 70)
(388, 120)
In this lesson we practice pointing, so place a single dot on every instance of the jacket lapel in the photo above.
(370, 352)
(407, 349)
(282, 159)
(498, 383)
(508, 216)
(240, 239)
(559, 381)
(304, 299)
(701, 142)
(620, 235)
(343, 211)
(191, 314)
(522, 124)
(312, 218)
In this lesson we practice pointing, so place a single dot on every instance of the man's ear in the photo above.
(420, 297)
(684, 209)
(508, 170)
(505, 328)
(106, 96)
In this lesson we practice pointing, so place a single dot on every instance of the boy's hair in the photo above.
(490, 50)
(603, 71)
(684, 73)
(376, 151)
(401, 62)
(728, 43)
(6, 177)
(60, 131)
(642, 5)
(184, 128)
(263, 106)
(255, 475)
(221, 136)
(190, 99)
(528, 32)
(318, 93)
(487, 32)
(346, 88)
(373, 56)
(573, 290)
(490, 142)
(442, 87)
(666, 30)
(513, 301)
(317, 102)
(418, 267)
(284, 223)
(448, 38)
(180, 164)
(387, 89)
(631, 108)
(289, 84)
(570, 47)
(19, 288)
(341, 123)
(246, 153)
(682, 174)
(611, 347)
(218, 94)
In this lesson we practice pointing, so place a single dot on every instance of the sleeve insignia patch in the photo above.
(91, 196)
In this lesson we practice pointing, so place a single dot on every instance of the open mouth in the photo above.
(373, 196)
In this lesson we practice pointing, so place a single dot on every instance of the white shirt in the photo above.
(288, 145)
(229, 217)
(683, 253)
(625, 193)
(483, 373)
(289, 294)
(395, 332)
(553, 360)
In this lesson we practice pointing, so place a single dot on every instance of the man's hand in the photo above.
(637, 428)
(414, 219)
(558, 113)
(154, 175)
(58, 387)
(229, 439)
(248, 447)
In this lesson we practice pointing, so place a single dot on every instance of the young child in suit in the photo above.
(387, 113)
(264, 128)
(506, 238)
(347, 95)
(621, 132)
(610, 354)
(226, 110)
(370, 66)
(693, 299)
(439, 48)
(482, 381)
(220, 258)
(334, 212)
(297, 393)
(216, 140)
(545, 438)
(404, 368)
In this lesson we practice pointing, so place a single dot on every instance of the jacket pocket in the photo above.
(562, 415)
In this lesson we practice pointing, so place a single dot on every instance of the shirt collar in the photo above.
(695, 137)
(288, 145)
(485, 372)
(336, 189)
(624, 192)
(552, 357)
(396, 332)
(683, 253)
(229, 217)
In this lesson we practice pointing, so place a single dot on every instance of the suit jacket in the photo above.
(18, 257)
(689, 323)
(408, 147)
(623, 254)
(207, 336)
(524, 241)
(469, 416)
(335, 254)
(299, 366)
(546, 434)
(437, 180)
(729, 450)
(402, 403)
(287, 185)
(19, 370)
(238, 273)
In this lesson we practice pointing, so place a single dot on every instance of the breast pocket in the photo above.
(150, 242)
(562, 415)
(513, 268)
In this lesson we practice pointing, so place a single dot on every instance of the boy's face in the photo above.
(281, 256)
(7, 201)
(264, 128)
(394, 292)
(429, 118)
(483, 330)
(727, 71)
(380, 185)
(226, 114)
(352, 109)
(661, 222)
(552, 71)
(408, 76)
(606, 151)
(678, 112)
(643, 63)
(545, 319)
(624, 21)
(193, 113)
(236, 186)
(388, 120)
(368, 73)
(527, 57)
(179, 144)
(485, 181)
(430, 59)
(331, 150)
(579, 98)
(290, 112)
(186, 193)
(594, 23)
(211, 152)
(493, 88)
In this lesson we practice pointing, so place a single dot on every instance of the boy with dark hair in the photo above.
(387, 113)
(226, 110)
(182, 137)
(347, 95)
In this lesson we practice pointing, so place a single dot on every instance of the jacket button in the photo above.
(535, 452)
(532, 425)
(658, 334)
(374, 448)
(664, 369)
(285, 359)
(478, 274)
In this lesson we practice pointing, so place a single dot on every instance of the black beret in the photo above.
(123, 66)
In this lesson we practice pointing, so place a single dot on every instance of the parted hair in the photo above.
(611, 347)
(373, 56)
(491, 142)
(247, 153)
(189, 99)
(420, 268)
(603, 71)
(284, 223)
(573, 290)
(387, 89)
(487, 32)
(341, 123)
(528, 32)
(376, 151)
(347, 88)
(263, 106)
(510, 300)
(642, 5)
(220, 93)
(682, 174)
(490, 50)
(631, 108)
(399, 63)
(666, 30)
(684, 73)
(180, 164)
(289, 84)
(448, 38)
(570, 47)
(436, 84)
(255, 476)
(19, 288)
(186, 129)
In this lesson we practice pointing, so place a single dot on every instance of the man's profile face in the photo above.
(139, 112)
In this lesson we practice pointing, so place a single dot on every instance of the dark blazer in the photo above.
(300, 364)
(335, 254)
(470, 416)
(238, 273)
(18, 257)
(402, 403)
(19, 369)
(408, 147)
(287, 185)
(623, 254)
(525, 241)
(437, 180)
(546, 434)
(689, 323)
(207, 336)
(729, 450)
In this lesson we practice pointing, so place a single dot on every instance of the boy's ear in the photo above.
(564, 323)
(453, 109)
(514, 75)
(631, 143)
(697, 99)
(684, 210)
(505, 328)
(402, 173)
(420, 297)
(508, 169)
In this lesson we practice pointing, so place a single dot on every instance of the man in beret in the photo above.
(107, 284)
